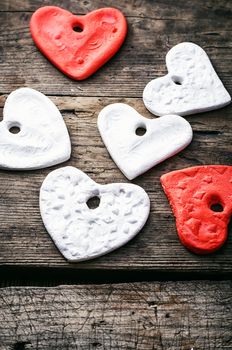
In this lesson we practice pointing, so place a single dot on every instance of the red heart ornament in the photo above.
(201, 200)
(78, 54)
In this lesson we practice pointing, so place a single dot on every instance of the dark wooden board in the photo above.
(154, 27)
(158, 315)
(159, 9)
(24, 241)
(143, 316)
(141, 58)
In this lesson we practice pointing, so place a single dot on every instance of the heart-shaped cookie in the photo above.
(78, 45)
(201, 200)
(134, 154)
(42, 139)
(191, 85)
(81, 233)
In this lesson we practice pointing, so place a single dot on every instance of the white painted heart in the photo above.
(191, 85)
(81, 233)
(42, 139)
(135, 154)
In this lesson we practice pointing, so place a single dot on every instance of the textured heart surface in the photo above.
(201, 200)
(191, 85)
(134, 154)
(81, 233)
(42, 139)
(78, 45)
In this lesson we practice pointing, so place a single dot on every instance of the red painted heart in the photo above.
(78, 45)
(201, 200)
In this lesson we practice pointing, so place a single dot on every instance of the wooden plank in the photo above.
(141, 58)
(181, 9)
(143, 316)
(154, 27)
(24, 240)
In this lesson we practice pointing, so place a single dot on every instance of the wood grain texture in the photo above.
(143, 316)
(24, 241)
(154, 27)
(141, 58)
(161, 9)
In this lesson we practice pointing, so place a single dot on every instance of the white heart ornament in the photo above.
(135, 154)
(42, 139)
(81, 233)
(191, 85)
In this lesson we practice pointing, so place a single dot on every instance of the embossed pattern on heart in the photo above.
(134, 154)
(191, 85)
(42, 138)
(201, 200)
(81, 233)
(78, 45)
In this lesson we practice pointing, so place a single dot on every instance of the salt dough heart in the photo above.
(43, 138)
(135, 154)
(81, 233)
(78, 54)
(191, 85)
(201, 200)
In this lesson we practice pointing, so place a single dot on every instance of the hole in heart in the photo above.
(215, 203)
(14, 129)
(177, 80)
(141, 130)
(93, 202)
(78, 28)
(217, 207)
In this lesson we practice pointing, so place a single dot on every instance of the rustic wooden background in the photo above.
(135, 315)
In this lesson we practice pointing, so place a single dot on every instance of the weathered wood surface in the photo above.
(159, 315)
(24, 240)
(154, 27)
(143, 316)
(182, 9)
